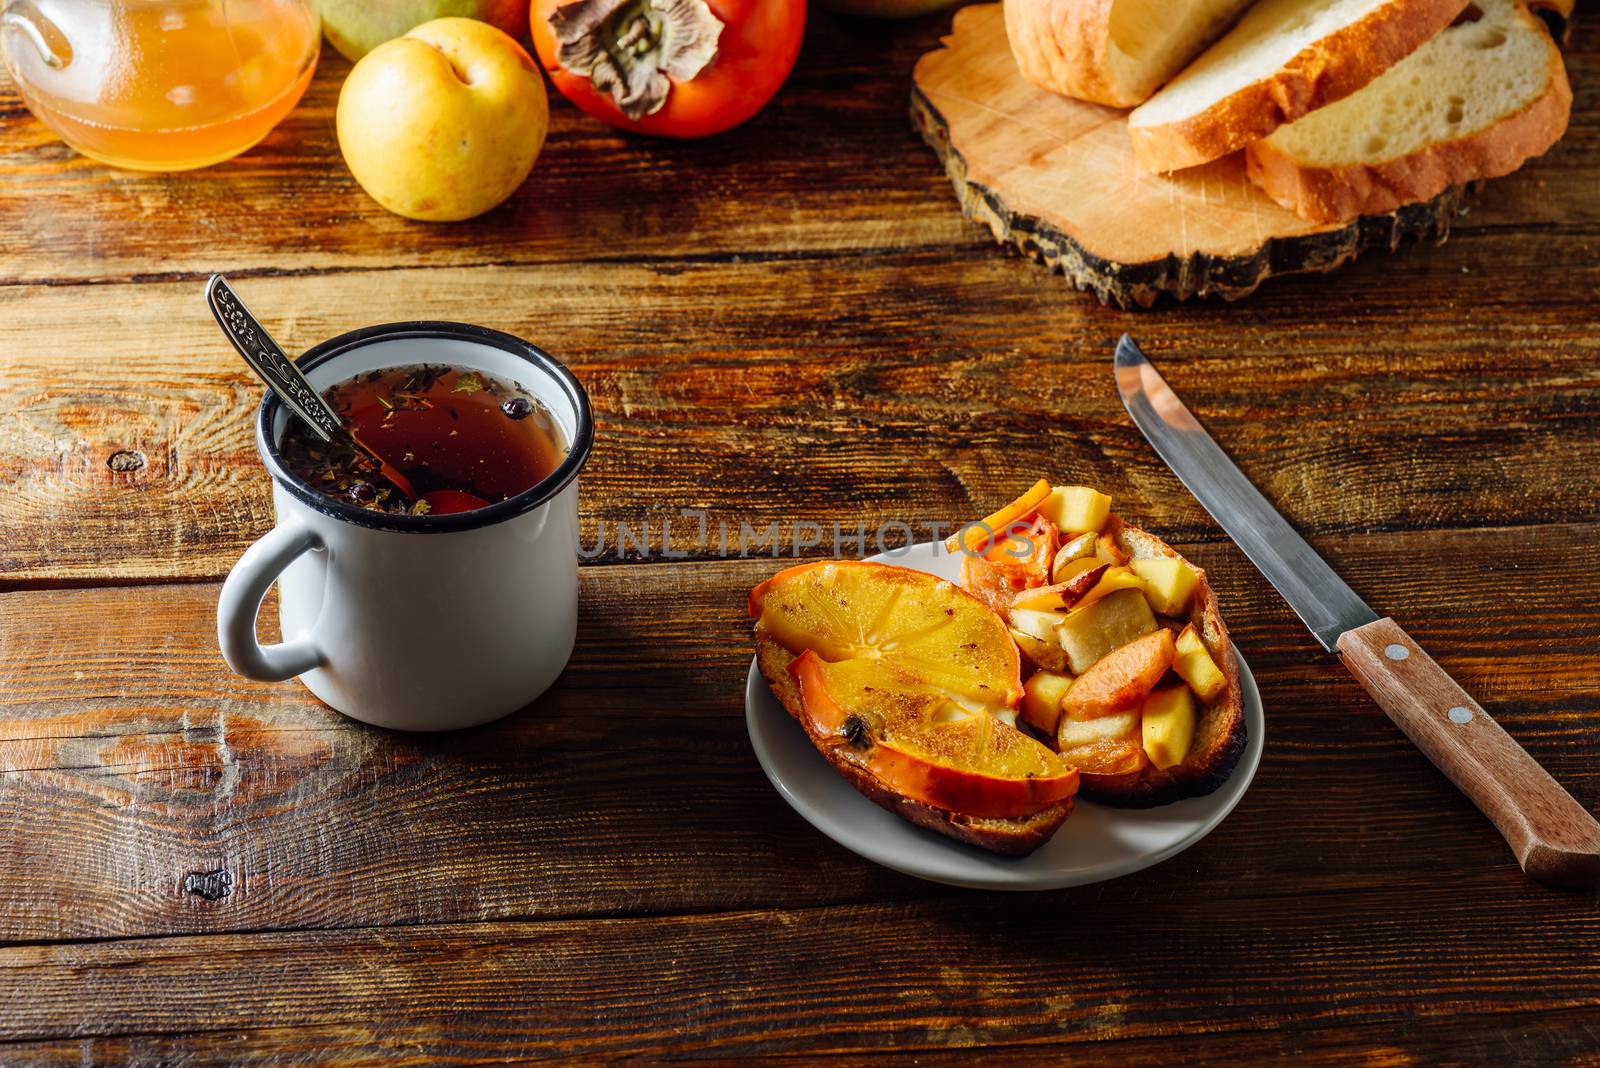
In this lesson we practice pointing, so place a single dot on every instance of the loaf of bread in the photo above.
(1283, 59)
(1115, 52)
(1476, 101)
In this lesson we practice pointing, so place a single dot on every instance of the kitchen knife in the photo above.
(1555, 839)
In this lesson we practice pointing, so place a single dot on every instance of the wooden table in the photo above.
(790, 323)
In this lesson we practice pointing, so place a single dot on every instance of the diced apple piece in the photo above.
(1090, 632)
(1168, 725)
(1077, 733)
(1046, 654)
(1078, 548)
(1195, 666)
(1111, 580)
(1109, 758)
(1063, 595)
(1168, 583)
(1041, 700)
(1073, 568)
(1076, 509)
(1108, 745)
(1107, 551)
(1036, 624)
(1122, 679)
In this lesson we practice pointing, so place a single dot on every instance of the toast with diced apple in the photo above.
(909, 686)
(1129, 673)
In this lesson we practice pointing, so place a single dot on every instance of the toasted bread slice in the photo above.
(1013, 836)
(1220, 734)
(1114, 52)
(1486, 94)
(1282, 60)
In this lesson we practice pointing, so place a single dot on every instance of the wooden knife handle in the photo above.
(1555, 839)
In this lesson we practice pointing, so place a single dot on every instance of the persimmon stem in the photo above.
(633, 50)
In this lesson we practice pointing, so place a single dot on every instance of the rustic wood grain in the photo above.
(831, 165)
(132, 764)
(789, 322)
(1567, 1036)
(841, 979)
(919, 403)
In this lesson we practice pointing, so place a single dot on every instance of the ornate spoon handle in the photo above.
(269, 361)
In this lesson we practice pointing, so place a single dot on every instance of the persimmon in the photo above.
(685, 69)
(885, 718)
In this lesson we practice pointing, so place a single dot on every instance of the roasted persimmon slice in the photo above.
(973, 536)
(1023, 554)
(927, 743)
(847, 610)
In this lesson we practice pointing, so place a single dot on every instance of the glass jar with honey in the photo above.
(160, 85)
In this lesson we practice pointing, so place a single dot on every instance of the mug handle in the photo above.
(247, 584)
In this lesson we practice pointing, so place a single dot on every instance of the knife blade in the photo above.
(1555, 839)
(1318, 596)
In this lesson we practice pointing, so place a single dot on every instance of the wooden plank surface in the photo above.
(1532, 1039)
(860, 978)
(127, 774)
(774, 409)
(789, 323)
(838, 169)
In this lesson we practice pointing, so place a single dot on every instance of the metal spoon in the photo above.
(267, 359)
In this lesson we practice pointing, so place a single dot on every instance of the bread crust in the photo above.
(1326, 70)
(1014, 837)
(1220, 732)
(1341, 193)
(1064, 46)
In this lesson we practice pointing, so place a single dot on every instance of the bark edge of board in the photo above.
(1140, 285)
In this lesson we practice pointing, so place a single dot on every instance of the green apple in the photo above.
(445, 122)
(356, 27)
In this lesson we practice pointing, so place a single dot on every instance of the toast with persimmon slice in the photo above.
(1131, 673)
(908, 686)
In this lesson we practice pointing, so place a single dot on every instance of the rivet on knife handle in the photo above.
(1555, 839)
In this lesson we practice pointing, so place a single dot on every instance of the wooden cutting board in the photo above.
(1056, 178)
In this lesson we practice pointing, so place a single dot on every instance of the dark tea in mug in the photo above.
(464, 439)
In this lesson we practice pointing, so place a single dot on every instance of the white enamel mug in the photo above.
(416, 622)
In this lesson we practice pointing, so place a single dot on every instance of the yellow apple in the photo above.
(445, 122)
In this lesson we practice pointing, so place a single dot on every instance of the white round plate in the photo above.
(1096, 843)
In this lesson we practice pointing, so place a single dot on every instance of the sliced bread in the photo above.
(1475, 102)
(1282, 60)
(1115, 52)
